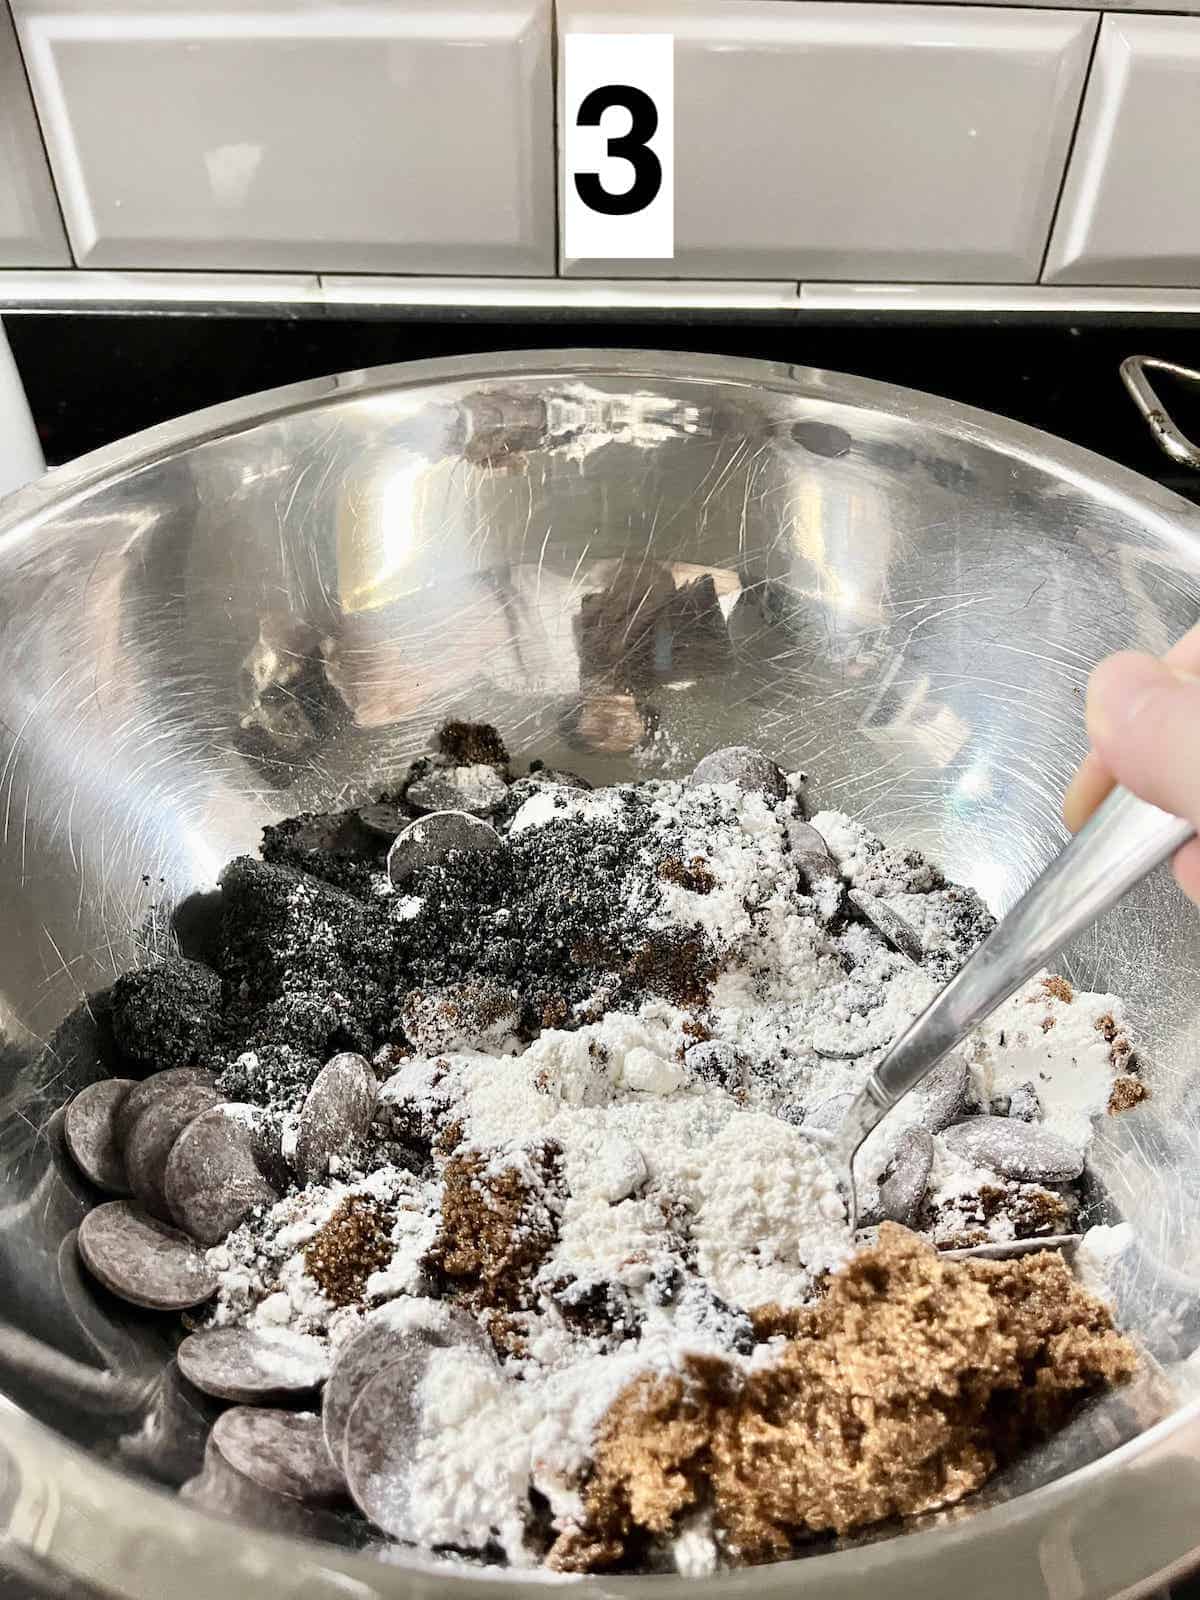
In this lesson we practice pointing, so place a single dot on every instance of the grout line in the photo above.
(556, 134)
(1066, 171)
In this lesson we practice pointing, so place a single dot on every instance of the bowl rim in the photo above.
(1176, 519)
(124, 1514)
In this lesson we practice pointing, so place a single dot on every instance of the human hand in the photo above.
(1143, 721)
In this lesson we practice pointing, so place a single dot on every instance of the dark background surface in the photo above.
(95, 378)
(91, 379)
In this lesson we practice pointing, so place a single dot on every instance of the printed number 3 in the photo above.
(631, 147)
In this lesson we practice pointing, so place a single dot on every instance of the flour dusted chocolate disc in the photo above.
(254, 1365)
(283, 1451)
(805, 840)
(942, 1095)
(1010, 1249)
(827, 1115)
(901, 935)
(1014, 1149)
(749, 769)
(383, 1433)
(153, 1138)
(558, 778)
(142, 1260)
(820, 876)
(89, 1127)
(212, 1180)
(139, 1097)
(336, 1112)
(395, 1330)
(430, 840)
(906, 1178)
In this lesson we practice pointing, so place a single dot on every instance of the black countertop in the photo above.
(94, 378)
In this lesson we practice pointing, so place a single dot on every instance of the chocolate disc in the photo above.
(153, 1137)
(385, 1429)
(901, 935)
(140, 1096)
(383, 1433)
(89, 1127)
(394, 1330)
(283, 1451)
(1009, 1249)
(906, 1178)
(1014, 1149)
(142, 1260)
(942, 1095)
(212, 1181)
(337, 1111)
(121, 1340)
(749, 769)
(430, 840)
(254, 1365)
(71, 1181)
(805, 840)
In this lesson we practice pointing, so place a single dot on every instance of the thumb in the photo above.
(1143, 719)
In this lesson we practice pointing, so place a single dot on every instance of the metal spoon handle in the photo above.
(1123, 841)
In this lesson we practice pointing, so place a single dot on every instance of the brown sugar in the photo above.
(355, 1242)
(1034, 1210)
(1059, 988)
(459, 1016)
(679, 966)
(902, 1390)
(694, 875)
(964, 1219)
(498, 1224)
(1120, 1051)
(1127, 1091)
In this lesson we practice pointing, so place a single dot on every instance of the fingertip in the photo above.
(1090, 785)
(1115, 689)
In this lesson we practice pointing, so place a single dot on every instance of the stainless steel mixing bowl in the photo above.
(623, 559)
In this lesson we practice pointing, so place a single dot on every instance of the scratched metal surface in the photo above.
(268, 607)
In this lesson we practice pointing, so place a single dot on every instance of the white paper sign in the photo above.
(619, 146)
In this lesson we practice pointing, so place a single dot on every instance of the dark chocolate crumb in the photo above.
(468, 744)
(166, 1015)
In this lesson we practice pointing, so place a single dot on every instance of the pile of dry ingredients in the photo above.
(489, 1130)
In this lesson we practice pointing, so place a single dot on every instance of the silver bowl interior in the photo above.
(268, 607)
